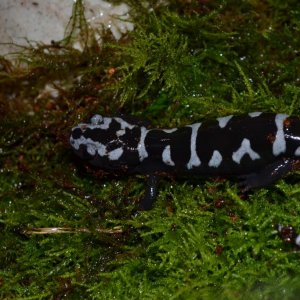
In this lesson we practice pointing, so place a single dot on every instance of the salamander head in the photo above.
(99, 141)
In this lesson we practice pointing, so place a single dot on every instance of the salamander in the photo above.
(256, 148)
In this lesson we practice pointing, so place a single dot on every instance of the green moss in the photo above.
(69, 231)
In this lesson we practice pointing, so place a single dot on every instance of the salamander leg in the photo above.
(268, 175)
(150, 194)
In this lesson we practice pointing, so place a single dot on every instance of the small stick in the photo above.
(55, 230)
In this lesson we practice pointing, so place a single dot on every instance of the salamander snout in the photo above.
(76, 133)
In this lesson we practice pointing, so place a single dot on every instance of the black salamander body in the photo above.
(257, 148)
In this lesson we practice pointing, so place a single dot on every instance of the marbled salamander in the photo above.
(257, 148)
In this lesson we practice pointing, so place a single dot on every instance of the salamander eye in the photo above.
(96, 119)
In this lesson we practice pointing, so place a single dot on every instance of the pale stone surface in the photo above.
(45, 21)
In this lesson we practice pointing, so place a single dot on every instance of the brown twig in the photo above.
(56, 230)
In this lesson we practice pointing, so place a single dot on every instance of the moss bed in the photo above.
(68, 232)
